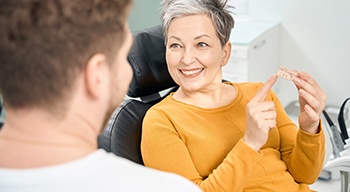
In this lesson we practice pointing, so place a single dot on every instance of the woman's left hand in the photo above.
(311, 100)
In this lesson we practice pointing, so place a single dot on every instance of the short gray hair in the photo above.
(217, 10)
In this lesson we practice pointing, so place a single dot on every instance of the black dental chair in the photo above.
(150, 84)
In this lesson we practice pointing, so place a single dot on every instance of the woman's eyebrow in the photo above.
(200, 36)
(196, 38)
(174, 37)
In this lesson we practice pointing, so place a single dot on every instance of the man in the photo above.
(2, 113)
(63, 70)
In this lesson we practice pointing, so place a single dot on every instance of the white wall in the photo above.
(144, 14)
(315, 37)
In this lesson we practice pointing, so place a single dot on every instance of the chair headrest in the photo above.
(147, 58)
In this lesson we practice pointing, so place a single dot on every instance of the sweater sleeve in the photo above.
(306, 160)
(303, 153)
(163, 149)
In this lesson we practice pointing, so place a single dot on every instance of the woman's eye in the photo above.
(174, 45)
(202, 44)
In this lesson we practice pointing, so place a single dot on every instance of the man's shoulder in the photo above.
(99, 171)
(137, 177)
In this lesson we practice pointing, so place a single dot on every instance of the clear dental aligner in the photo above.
(287, 74)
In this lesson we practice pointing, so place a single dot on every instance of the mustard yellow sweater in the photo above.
(206, 146)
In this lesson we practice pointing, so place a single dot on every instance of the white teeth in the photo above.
(287, 73)
(191, 72)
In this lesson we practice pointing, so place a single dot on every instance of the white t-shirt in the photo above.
(100, 171)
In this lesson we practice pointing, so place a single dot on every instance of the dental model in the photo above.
(287, 74)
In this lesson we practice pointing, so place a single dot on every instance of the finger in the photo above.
(270, 115)
(307, 78)
(301, 84)
(268, 125)
(313, 115)
(271, 123)
(264, 90)
(256, 110)
(313, 102)
(313, 89)
(263, 106)
(311, 86)
(263, 116)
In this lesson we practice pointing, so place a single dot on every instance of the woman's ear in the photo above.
(95, 75)
(227, 53)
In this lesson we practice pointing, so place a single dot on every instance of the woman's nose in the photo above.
(188, 57)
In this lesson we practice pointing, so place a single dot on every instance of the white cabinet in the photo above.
(255, 52)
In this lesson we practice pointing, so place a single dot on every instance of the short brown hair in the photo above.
(45, 44)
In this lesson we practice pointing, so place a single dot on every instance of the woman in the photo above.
(227, 136)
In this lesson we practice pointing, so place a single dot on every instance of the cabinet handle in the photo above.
(258, 45)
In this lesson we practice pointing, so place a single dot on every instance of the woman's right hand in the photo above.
(260, 116)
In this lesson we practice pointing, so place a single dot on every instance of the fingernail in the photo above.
(300, 74)
(302, 92)
(307, 107)
(273, 76)
(297, 81)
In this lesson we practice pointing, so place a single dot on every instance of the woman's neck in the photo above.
(210, 98)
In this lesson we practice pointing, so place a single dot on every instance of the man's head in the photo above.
(46, 44)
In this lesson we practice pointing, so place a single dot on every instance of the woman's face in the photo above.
(194, 54)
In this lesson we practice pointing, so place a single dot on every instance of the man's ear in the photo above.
(227, 53)
(95, 74)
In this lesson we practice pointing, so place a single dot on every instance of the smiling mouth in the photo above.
(192, 72)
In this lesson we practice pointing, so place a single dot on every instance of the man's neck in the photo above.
(34, 138)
